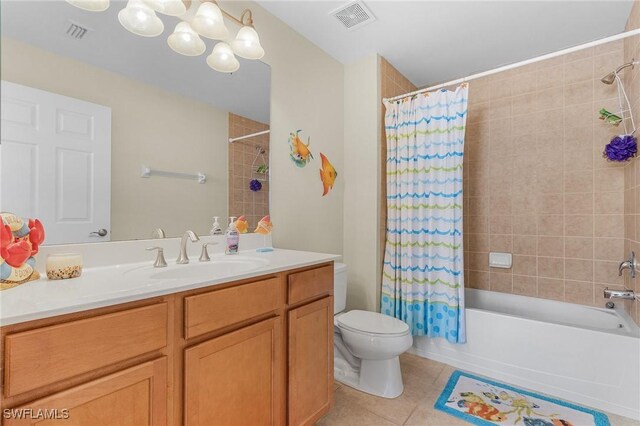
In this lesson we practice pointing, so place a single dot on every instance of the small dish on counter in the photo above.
(63, 266)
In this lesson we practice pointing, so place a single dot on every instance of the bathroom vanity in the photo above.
(253, 350)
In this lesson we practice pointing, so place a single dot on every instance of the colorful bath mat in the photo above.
(480, 401)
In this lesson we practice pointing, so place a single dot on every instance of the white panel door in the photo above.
(55, 163)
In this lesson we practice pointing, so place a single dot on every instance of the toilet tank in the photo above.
(339, 287)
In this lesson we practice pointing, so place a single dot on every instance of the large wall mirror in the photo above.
(106, 130)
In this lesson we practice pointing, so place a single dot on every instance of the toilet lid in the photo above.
(372, 323)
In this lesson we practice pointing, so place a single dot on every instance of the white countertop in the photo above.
(102, 286)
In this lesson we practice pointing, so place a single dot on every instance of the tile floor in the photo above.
(423, 381)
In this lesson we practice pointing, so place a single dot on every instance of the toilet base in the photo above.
(376, 377)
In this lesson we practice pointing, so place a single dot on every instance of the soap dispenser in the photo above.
(215, 228)
(232, 237)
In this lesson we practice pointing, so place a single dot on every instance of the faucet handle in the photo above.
(204, 255)
(160, 261)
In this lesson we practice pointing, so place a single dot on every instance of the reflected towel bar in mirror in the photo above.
(199, 176)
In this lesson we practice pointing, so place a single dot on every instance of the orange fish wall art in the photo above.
(328, 175)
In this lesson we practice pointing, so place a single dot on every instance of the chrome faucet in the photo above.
(619, 294)
(628, 264)
(183, 258)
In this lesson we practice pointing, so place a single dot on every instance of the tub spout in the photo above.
(619, 294)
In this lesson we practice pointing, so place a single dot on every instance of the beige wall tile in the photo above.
(608, 249)
(578, 225)
(578, 269)
(550, 225)
(611, 225)
(525, 285)
(551, 267)
(579, 292)
(536, 183)
(524, 244)
(579, 247)
(478, 279)
(502, 282)
(551, 288)
(607, 272)
(501, 243)
(578, 203)
(524, 265)
(608, 202)
(551, 246)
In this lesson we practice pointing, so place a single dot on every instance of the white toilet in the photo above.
(367, 345)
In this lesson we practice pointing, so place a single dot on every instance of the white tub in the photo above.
(582, 354)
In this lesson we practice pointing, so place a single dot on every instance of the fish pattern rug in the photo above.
(480, 401)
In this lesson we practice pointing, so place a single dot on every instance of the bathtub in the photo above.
(586, 355)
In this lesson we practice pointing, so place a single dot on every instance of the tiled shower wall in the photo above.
(535, 182)
(631, 79)
(392, 83)
(243, 201)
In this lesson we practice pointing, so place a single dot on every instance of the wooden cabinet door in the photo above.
(133, 397)
(237, 378)
(310, 361)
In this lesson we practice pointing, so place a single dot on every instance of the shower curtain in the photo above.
(423, 274)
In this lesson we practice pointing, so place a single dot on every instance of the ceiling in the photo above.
(109, 46)
(437, 41)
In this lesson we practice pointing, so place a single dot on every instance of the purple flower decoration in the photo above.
(255, 185)
(621, 148)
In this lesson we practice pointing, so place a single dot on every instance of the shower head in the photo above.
(611, 77)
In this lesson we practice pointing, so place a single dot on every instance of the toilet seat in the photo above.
(372, 323)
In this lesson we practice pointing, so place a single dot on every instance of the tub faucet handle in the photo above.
(628, 264)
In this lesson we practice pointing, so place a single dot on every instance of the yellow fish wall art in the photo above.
(300, 153)
(328, 175)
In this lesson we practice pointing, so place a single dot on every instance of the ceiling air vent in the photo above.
(77, 31)
(353, 15)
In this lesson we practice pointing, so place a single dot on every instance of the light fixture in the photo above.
(168, 7)
(209, 23)
(247, 44)
(140, 19)
(186, 41)
(222, 58)
(90, 5)
(201, 18)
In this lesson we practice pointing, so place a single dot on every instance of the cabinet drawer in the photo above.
(308, 284)
(135, 396)
(221, 308)
(47, 355)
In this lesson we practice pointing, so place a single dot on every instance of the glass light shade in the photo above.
(186, 41)
(247, 44)
(90, 5)
(222, 58)
(168, 7)
(209, 23)
(140, 19)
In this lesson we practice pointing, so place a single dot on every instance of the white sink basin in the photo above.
(216, 268)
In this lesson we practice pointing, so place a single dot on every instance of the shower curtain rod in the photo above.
(517, 64)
